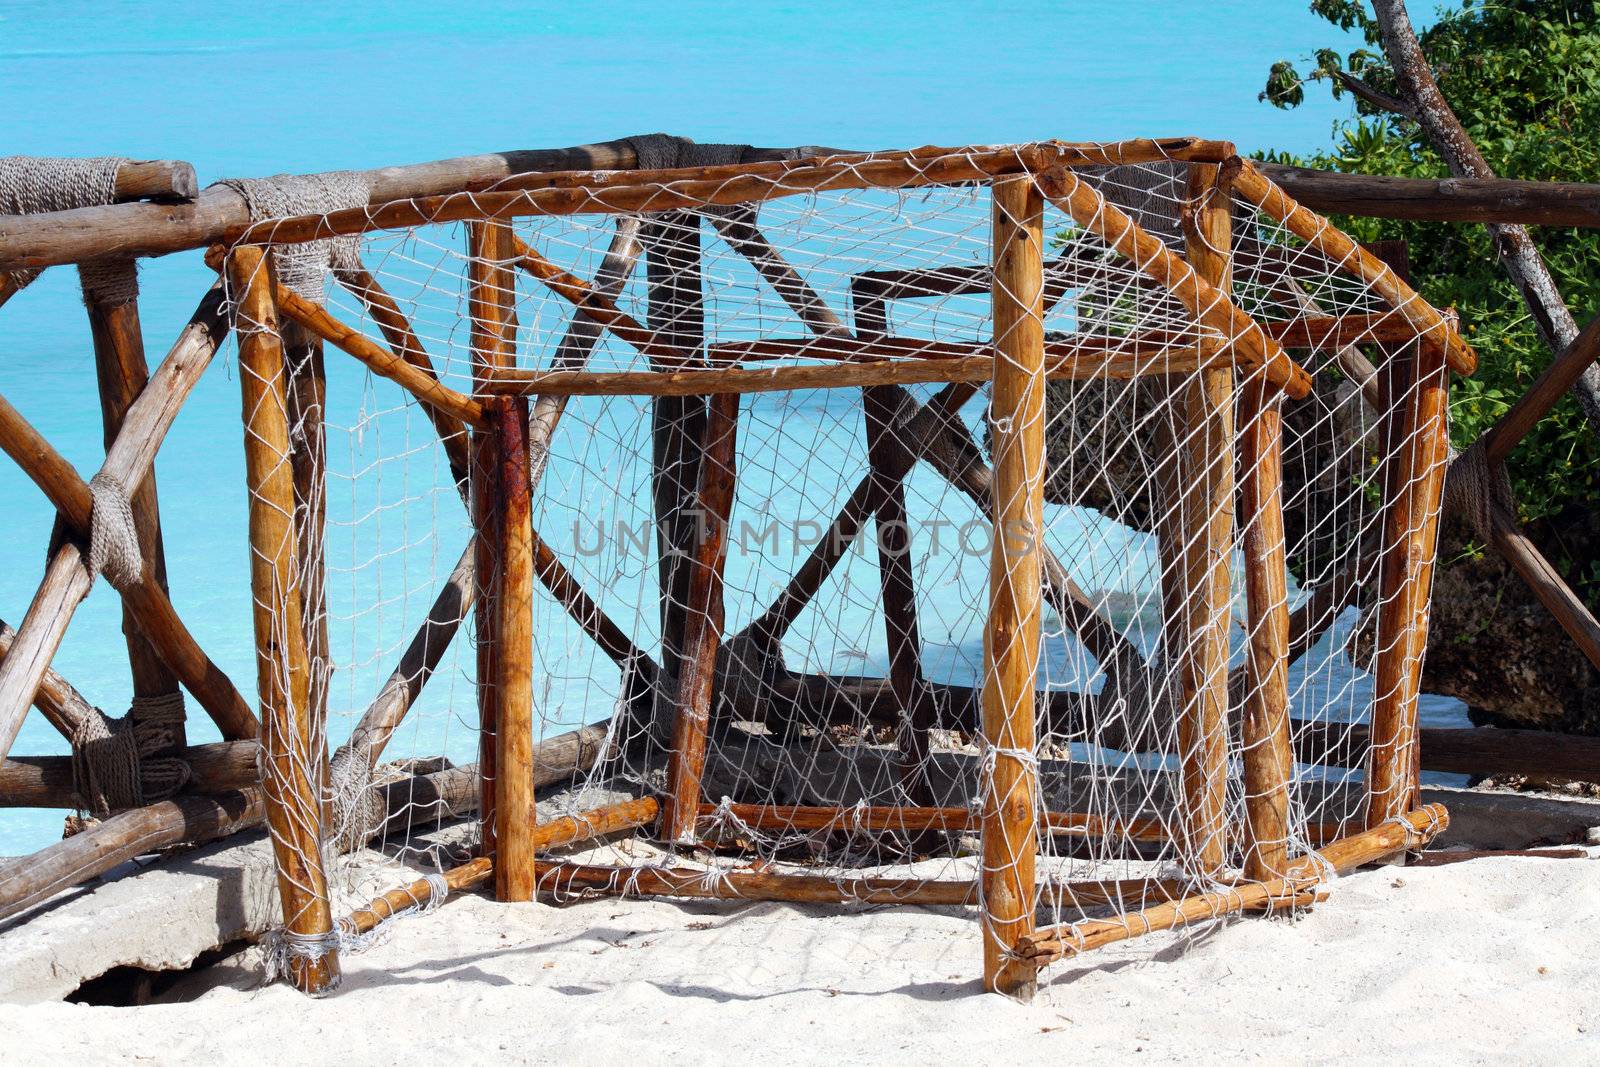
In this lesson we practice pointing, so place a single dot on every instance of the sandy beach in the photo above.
(1477, 962)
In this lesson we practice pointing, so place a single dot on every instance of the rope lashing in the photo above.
(33, 184)
(281, 946)
(115, 762)
(113, 539)
(302, 267)
(1476, 488)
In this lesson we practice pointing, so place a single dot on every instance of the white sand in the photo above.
(1490, 960)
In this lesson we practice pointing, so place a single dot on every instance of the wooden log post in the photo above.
(491, 287)
(513, 689)
(888, 455)
(1011, 638)
(703, 620)
(676, 313)
(308, 395)
(1421, 443)
(1268, 756)
(122, 374)
(1204, 466)
(291, 756)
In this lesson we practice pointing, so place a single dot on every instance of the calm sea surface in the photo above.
(267, 87)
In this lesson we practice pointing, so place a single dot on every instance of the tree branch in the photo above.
(1517, 251)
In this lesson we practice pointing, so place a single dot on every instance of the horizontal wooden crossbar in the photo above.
(1396, 835)
(1330, 331)
(701, 187)
(1066, 361)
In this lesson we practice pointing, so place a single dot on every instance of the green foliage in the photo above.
(1524, 78)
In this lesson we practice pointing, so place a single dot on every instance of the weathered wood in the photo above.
(1204, 531)
(120, 838)
(66, 583)
(1404, 832)
(693, 188)
(47, 781)
(676, 315)
(157, 229)
(1337, 247)
(292, 758)
(1410, 535)
(122, 374)
(1508, 538)
(128, 461)
(1075, 363)
(703, 620)
(1011, 635)
(1210, 307)
(157, 179)
(1268, 756)
(56, 698)
(1381, 196)
(489, 287)
(514, 803)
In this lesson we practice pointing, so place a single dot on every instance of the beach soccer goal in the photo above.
(1042, 530)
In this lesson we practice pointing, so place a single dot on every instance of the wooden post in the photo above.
(308, 393)
(513, 691)
(491, 287)
(123, 373)
(888, 454)
(1421, 447)
(703, 620)
(671, 243)
(1204, 465)
(291, 757)
(1268, 756)
(1011, 639)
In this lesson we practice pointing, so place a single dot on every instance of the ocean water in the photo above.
(269, 87)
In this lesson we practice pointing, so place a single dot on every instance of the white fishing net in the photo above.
(845, 753)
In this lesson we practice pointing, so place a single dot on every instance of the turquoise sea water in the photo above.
(261, 88)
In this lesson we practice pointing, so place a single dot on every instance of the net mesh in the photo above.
(845, 736)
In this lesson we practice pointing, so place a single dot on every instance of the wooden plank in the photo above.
(292, 759)
(703, 621)
(1410, 536)
(1335, 246)
(1011, 636)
